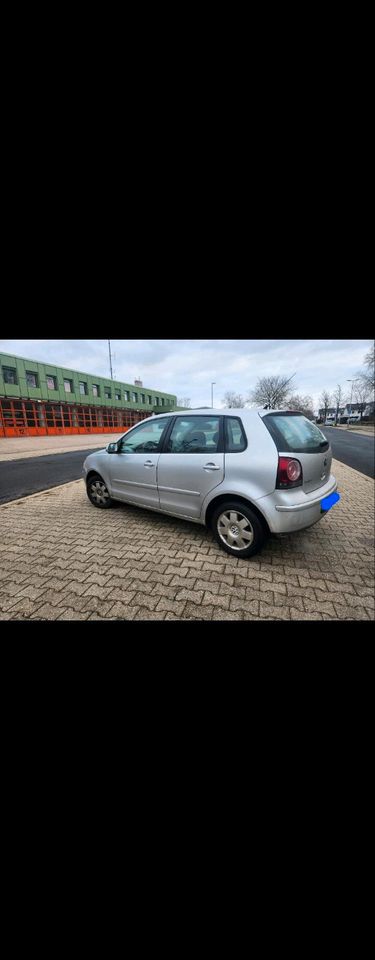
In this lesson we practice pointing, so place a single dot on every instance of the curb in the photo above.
(357, 472)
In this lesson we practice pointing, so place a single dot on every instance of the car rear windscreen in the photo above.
(294, 433)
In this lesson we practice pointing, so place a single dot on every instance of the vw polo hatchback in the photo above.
(244, 473)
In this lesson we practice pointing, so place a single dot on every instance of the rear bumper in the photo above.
(298, 507)
(286, 517)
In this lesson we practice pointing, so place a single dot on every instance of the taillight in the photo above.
(289, 474)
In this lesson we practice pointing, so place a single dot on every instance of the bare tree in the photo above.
(271, 392)
(362, 393)
(368, 375)
(338, 396)
(324, 402)
(184, 402)
(303, 405)
(233, 400)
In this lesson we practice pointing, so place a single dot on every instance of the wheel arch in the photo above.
(94, 473)
(223, 497)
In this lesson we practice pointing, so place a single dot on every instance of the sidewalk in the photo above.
(19, 448)
(366, 431)
(60, 559)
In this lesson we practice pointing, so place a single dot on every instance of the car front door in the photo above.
(190, 465)
(133, 470)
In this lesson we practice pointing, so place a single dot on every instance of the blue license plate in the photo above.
(330, 501)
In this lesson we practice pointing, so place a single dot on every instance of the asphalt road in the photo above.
(20, 478)
(353, 449)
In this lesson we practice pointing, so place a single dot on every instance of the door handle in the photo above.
(211, 466)
(148, 463)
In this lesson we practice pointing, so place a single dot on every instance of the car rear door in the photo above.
(191, 464)
(296, 436)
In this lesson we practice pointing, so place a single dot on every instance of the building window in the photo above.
(31, 379)
(30, 414)
(150, 400)
(51, 383)
(162, 401)
(135, 397)
(143, 398)
(7, 410)
(82, 387)
(95, 390)
(68, 386)
(117, 395)
(157, 401)
(127, 395)
(107, 393)
(10, 375)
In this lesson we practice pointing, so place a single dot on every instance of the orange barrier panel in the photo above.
(28, 418)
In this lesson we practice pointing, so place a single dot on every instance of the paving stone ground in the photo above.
(61, 559)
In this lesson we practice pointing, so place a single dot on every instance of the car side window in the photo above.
(146, 438)
(195, 435)
(235, 438)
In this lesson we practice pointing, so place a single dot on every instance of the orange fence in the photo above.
(30, 418)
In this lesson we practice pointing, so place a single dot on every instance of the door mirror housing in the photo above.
(112, 448)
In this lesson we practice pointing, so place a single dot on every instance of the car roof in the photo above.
(245, 412)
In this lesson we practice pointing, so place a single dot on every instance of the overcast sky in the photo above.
(187, 367)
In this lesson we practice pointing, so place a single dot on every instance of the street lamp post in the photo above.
(110, 358)
(212, 393)
(351, 393)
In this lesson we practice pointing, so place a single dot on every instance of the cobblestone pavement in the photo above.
(60, 559)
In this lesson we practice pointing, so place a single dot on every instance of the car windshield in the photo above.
(292, 432)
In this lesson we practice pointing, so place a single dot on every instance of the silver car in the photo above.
(244, 473)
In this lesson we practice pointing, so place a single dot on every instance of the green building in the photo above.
(50, 399)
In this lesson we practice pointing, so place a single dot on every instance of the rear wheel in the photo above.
(98, 493)
(238, 530)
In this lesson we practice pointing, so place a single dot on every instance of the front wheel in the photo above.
(238, 530)
(98, 493)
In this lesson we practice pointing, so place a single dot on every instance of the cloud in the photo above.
(187, 367)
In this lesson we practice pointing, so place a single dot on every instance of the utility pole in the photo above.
(212, 393)
(110, 358)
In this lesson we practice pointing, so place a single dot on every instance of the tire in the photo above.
(98, 493)
(234, 542)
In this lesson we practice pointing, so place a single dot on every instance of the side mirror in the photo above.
(112, 448)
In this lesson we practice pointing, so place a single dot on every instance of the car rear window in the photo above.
(294, 433)
(235, 440)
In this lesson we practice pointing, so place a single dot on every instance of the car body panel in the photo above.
(133, 476)
(98, 462)
(316, 468)
(185, 480)
(285, 514)
(252, 473)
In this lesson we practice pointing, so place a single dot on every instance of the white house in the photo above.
(353, 410)
(369, 410)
